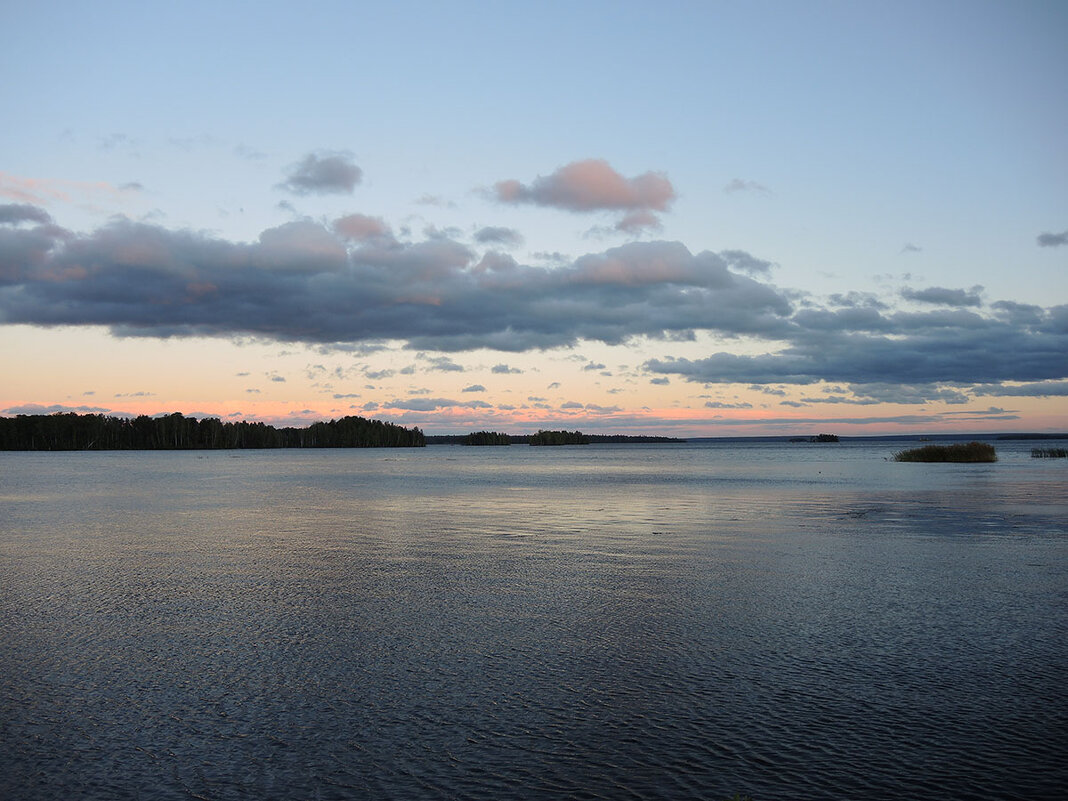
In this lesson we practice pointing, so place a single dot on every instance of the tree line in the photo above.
(67, 431)
(559, 438)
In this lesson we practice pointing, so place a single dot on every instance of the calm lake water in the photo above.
(788, 621)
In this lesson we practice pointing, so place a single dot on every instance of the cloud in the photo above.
(504, 369)
(432, 404)
(853, 299)
(301, 282)
(593, 407)
(1039, 389)
(434, 200)
(722, 405)
(323, 173)
(945, 297)
(474, 388)
(247, 152)
(884, 392)
(1053, 240)
(40, 191)
(662, 381)
(15, 213)
(911, 248)
(636, 221)
(357, 227)
(442, 364)
(593, 185)
(739, 185)
(498, 236)
(926, 351)
(743, 262)
(55, 408)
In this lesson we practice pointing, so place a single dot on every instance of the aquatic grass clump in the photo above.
(1049, 453)
(957, 452)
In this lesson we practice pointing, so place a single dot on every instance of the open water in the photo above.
(787, 621)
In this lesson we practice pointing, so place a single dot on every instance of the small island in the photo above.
(956, 452)
(486, 438)
(559, 438)
(817, 438)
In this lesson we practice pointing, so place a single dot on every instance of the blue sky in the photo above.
(881, 191)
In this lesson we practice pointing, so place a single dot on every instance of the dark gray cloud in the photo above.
(882, 392)
(323, 173)
(634, 222)
(1039, 389)
(474, 388)
(442, 364)
(494, 235)
(504, 369)
(15, 213)
(743, 262)
(303, 282)
(1053, 240)
(921, 357)
(945, 297)
(854, 299)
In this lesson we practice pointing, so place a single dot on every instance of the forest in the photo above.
(97, 432)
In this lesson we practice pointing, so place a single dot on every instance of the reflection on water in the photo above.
(611, 621)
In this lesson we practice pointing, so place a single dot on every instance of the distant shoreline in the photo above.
(69, 431)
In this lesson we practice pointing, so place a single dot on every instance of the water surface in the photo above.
(788, 621)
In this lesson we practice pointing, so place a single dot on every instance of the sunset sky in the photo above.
(703, 219)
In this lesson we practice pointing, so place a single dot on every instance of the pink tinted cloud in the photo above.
(30, 190)
(50, 191)
(591, 185)
(360, 226)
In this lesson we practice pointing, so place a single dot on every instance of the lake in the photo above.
(691, 621)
